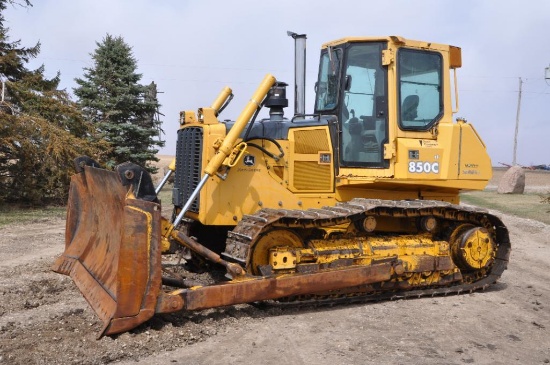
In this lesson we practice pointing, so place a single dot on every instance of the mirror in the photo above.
(347, 83)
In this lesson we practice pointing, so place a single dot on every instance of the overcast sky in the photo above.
(192, 49)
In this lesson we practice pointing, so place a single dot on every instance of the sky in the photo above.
(191, 49)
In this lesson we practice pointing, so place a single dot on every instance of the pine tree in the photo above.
(122, 109)
(41, 129)
(12, 56)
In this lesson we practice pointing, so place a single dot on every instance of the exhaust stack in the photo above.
(299, 72)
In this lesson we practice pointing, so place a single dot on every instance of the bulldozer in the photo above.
(357, 201)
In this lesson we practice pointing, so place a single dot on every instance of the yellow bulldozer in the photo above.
(357, 201)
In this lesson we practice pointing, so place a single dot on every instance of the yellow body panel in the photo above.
(302, 179)
(248, 188)
(432, 164)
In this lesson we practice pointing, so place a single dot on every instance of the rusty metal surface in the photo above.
(283, 286)
(232, 269)
(112, 249)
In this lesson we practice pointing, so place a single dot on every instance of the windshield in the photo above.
(329, 80)
(363, 112)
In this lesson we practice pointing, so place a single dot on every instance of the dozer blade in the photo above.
(112, 249)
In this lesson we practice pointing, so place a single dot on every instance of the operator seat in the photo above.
(409, 109)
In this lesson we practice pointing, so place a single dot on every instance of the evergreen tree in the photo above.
(41, 129)
(122, 109)
(12, 56)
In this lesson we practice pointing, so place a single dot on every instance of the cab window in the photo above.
(328, 86)
(420, 89)
(363, 112)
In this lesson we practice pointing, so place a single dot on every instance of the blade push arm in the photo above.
(227, 145)
(224, 150)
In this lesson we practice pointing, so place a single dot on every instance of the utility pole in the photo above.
(517, 124)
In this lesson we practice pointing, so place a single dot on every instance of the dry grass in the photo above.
(16, 215)
(529, 206)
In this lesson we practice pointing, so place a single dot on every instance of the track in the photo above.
(242, 239)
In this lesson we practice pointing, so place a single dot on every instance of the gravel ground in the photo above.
(45, 320)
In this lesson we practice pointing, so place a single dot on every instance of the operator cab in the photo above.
(353, 85)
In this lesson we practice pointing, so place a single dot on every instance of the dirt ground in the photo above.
(45, 320)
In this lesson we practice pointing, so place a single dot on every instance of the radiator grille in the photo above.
(188, 166)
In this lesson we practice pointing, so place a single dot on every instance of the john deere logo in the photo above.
(249, 160)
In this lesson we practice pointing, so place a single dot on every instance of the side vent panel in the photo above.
(311, 166)
(310, 141)
(311, 176)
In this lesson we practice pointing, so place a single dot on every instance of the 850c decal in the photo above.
(420, 167)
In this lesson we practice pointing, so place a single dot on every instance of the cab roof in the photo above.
(397, 40)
